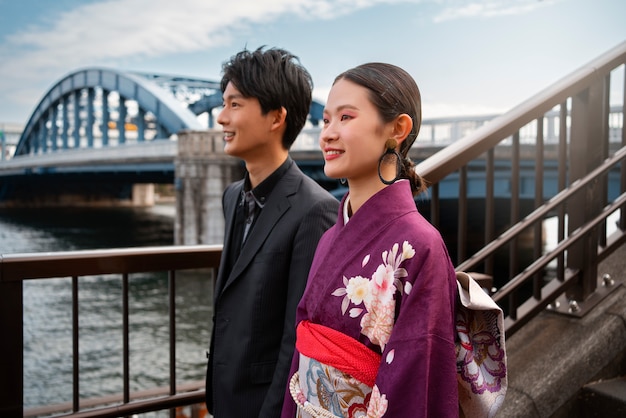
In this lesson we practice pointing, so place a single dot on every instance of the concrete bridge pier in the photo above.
(143, 194)
(203, 171)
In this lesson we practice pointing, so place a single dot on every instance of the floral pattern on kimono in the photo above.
(385, 279)
(376, 295)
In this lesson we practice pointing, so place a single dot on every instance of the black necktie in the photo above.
(250, 206)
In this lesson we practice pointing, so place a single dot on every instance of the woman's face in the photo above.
(353, 136)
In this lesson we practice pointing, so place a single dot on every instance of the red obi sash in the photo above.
(338, 350)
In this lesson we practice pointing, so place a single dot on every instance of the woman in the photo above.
(375, 326)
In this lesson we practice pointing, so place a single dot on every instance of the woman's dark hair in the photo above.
(277, 79)
(393, 92)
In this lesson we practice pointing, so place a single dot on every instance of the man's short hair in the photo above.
(277, 79)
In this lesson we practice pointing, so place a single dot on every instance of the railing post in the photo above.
(587, 150)
(3, 146)
(11, 349)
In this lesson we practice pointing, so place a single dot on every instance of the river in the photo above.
(48, 314)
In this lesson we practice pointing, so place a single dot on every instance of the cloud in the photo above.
(113, 31)
(489, 8)
(116, 29)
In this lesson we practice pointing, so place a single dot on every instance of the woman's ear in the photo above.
(402, 127)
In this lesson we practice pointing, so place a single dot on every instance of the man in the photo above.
(274, 218)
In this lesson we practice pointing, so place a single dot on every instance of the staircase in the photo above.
(604, 398)
(566, 367)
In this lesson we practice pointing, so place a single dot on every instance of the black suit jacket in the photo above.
(253, 332)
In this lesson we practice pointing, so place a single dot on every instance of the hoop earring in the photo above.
(343, 180)
(387, 152)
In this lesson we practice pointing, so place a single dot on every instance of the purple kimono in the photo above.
(386, 280)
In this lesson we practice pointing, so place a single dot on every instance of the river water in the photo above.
(48, 314)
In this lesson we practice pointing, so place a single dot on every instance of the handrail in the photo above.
(118, 261)
(459, 153)
(585, 163)
(16, 268)
(541, 212)
(118, 398)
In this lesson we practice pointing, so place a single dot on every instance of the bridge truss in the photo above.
(100, 107)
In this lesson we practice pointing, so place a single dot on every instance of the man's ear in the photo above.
(279, 117)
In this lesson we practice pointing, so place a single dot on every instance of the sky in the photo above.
(469, 57)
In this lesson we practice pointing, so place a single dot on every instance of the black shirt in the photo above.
(248, 209)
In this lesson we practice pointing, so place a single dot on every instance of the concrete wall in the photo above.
(203, 171)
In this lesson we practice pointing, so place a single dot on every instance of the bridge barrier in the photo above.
(80, 265)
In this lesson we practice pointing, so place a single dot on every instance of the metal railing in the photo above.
(16, 268)
(585, 157)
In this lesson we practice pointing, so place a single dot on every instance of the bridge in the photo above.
(97, 132)
(561, 309)
(104, 124)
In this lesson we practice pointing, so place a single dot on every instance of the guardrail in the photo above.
(16, 268)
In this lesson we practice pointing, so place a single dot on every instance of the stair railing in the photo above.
(586, 159)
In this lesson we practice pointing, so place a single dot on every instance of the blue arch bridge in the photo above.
(98, 131)
(102, 136)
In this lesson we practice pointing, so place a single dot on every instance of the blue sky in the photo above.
(469, 57)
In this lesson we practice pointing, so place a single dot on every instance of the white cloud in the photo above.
(113, 32)
(120, 28)
(489, 8)
(117, 29)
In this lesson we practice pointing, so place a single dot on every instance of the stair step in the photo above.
(604, 398)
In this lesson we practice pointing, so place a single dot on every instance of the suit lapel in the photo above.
(273, 211)
(231, 200)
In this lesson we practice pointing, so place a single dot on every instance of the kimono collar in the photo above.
(346, 206)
